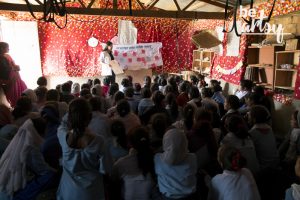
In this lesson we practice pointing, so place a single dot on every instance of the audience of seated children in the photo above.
(153, 143)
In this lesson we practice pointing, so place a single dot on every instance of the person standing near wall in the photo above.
(16, 85)
(106, 57)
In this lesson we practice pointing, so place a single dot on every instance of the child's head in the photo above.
(230, 158)
(137, 87)
(206, 93)
(123, 108)
(237, 125)
(95, 103)
(194, 92)
(125, 82)
(294, 120)
(79, 115)
(159, 124)
(118, 130)
(252, 99)
(214, 82)
(232, 102)
(246, 85)
(118, 96)
(114, 87)
(147, 81)
(96, 81)
(42, 81)
(259, 115)
(129, 92)
(52, 95)
(158, 98)
(146, 93)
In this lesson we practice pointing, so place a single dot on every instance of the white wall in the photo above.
(22, 37)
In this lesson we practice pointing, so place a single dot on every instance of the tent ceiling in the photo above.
(192, 9)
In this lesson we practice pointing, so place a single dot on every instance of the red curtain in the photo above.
(66, 52)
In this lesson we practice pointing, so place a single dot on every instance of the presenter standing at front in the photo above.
(106, 57)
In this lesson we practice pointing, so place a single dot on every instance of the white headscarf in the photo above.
(98, 89)
(75, 88)
(174, 146)
(13, 161)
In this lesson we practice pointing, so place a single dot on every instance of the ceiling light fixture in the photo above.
(51, 10)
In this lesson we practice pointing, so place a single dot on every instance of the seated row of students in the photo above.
(96, 149)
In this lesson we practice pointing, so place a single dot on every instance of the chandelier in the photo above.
(51, 10)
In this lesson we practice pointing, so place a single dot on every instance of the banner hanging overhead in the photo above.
(137, 56)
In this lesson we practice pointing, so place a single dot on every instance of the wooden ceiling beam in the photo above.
(189, 5)
(177, 5)
(91, 3)
(116, 12)
(152, 5)
(140, 4)
(214, 3)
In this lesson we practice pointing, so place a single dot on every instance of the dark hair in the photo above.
(184, 86)
(106, 81)
(39, 125)
(96, 81)
(147, 81)
(3, 46)
(123, 108)
(137, 87)
(260, 90)
(154, 87)
(259, 114)
(216, 88)
(194, 79)
(22, 108)
(118, 130)
(108, 43)
(52, 95)
(129, 92)
(171, 101)
(146, 93)
(206, 92)
(194, 92)
(95, 103)
(162, 82)
(42, 81)
(114, 87)
(86, 93)
(130, 79)
(78, 119)
(139, 139)
(41, 93)
(214, 82)
(231, 158)
(58, 87)
(158, 98)
(155, 79)
(50, 112)
(188, 116)
(246, 84)
(118, 96)
(254, 97)
(203, 127)
(85, 86)
(66, 87)
(168, 89)
(295, 115)
(233, 101)
(237, 125)
(159, 123)
(125, 82)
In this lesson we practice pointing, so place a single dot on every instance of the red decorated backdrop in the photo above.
(66, 52)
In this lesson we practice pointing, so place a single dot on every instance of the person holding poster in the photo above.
(106, 57)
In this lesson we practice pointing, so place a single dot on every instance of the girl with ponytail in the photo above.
(133, 173)
(235, 182)
(84, 155)
(238, 137)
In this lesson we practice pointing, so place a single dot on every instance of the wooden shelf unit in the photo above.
(286, 78)
(199, 64)
(261, 62)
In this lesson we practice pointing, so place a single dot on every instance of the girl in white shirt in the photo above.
(236, 182)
